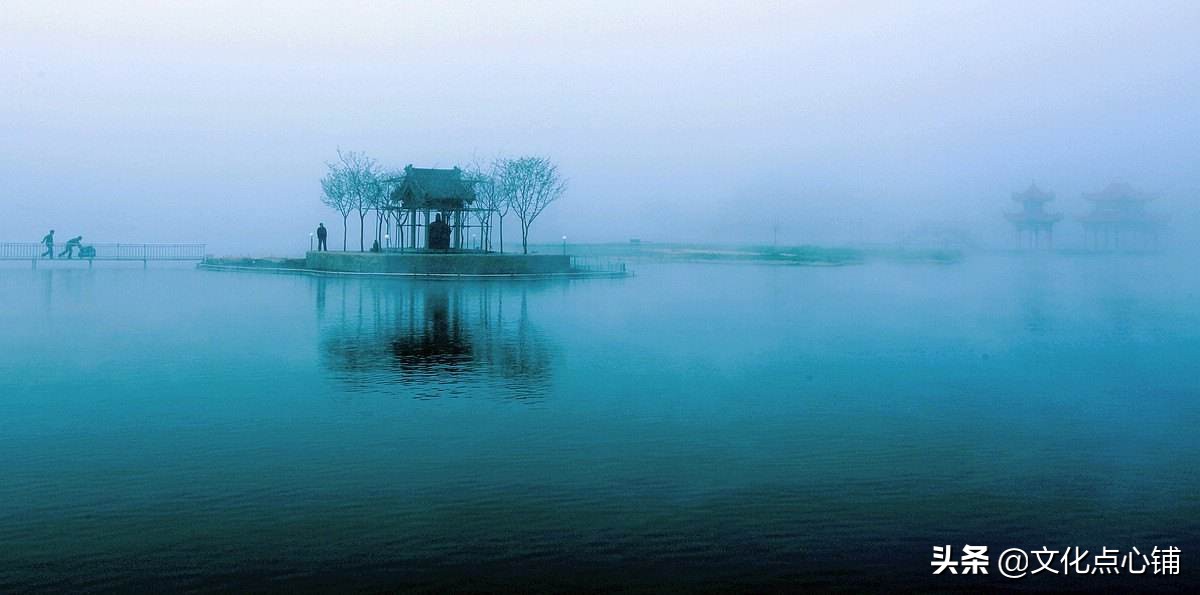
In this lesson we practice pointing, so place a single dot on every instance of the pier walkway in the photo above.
(32, 251)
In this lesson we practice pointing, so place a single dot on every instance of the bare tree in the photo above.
(389, 181)
(336, 195)
(375, 198)
(364, 187)
(489, 200)
(379, 205)
(499, 202)
(529, 185)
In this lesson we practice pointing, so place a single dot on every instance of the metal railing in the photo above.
(131, 252)
(597, 264)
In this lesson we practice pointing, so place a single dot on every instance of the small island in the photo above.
(431, 222)
(434, 222)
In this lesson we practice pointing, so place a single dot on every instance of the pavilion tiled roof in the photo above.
(431, 188)
(1118, 192)
(1120, 203)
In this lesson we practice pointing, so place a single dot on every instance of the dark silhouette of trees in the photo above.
(336, 195)
(488, 198)
(523, 185)
(528, 185)
(354, 183)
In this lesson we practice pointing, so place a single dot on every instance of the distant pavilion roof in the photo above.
(1119, 192)
(1120, 204)
(1034, 213)
(1033, 194)
(436, 189)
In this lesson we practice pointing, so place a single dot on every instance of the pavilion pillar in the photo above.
(458, 223)
(412, 220)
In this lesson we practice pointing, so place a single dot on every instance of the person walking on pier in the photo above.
(322, 233)
(72, 244)
(49, 242)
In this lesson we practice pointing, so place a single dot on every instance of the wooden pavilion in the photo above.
(1119, 220)
(1034, 225)
(435, 206)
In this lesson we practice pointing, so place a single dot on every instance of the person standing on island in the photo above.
(49, 242)
(322, 233)
(72, 244)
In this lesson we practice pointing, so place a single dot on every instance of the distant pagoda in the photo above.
(1119, 220)
(1034, 226)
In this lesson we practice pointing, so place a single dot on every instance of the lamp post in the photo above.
(310, 238)
(387, 240)
(564, 245)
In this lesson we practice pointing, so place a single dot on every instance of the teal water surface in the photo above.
(698, 426)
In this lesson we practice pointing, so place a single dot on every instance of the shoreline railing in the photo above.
(597, 264)
(103, 251)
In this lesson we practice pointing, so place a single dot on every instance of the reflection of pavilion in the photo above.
(433, 338)
(1034, 226)
(1119, 220)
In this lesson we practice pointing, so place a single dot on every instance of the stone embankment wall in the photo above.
(439, 264)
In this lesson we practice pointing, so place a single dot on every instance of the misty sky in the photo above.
(839, 121)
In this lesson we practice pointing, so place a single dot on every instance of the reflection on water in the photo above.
(431, 340)
(696, 427)
(1034, 296)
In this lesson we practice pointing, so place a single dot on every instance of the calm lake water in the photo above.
(699, 426)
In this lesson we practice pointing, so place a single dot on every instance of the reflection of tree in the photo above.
(438, 339)
(320, 297)
(515, 350)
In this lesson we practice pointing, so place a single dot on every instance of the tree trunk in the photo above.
(345, 229)
(502, 234)
(362, 241)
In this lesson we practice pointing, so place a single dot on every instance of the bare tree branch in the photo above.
(335, 187)
(529, 185)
